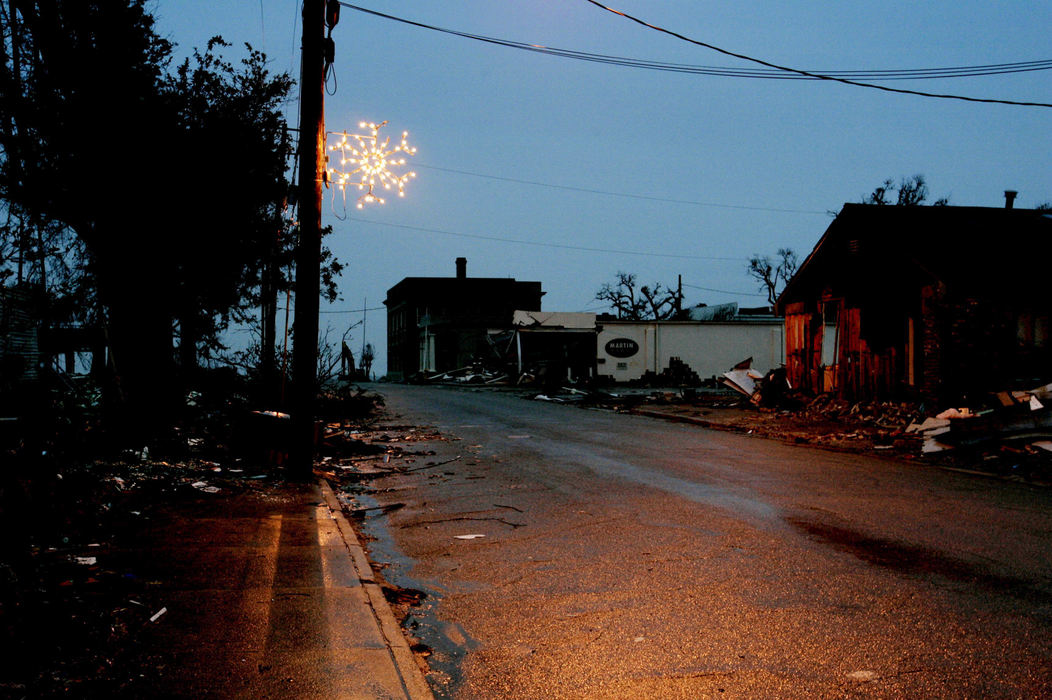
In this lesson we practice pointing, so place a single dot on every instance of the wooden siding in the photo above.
(861, 371)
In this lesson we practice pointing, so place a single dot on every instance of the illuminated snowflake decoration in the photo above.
(366, 162)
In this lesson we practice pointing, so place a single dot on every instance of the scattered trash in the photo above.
(468, 537)
(86, 561)
(157, 615)
(863, 676)
(203, 486)
(274, 414)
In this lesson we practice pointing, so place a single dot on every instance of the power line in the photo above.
(724, 291)
(619, 194)
(262, 27)
(355, 311)
(813, 75)
(539, 244)
(607, 193)
(774, 73)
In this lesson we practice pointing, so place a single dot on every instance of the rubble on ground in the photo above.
(1009, 432)
(473, 374)
(70, 608)
(770, 389)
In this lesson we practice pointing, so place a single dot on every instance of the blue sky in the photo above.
(693, 173)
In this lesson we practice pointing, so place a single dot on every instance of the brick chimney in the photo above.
(462, 268)
(1010, 198)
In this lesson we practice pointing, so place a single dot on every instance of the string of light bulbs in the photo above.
(366, 162)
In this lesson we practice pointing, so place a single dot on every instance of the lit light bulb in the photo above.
(367, 161)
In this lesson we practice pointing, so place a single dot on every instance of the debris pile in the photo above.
(678, 373)
(891, 416)
(771, 389)
(348, 401)
(1013, 426)
(473, 374)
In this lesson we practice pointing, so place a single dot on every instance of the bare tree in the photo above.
(328, 358)
(910, 192)
(640, 303)
(773, 274)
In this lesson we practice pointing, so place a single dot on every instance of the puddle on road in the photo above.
(916, 560)
(443, 644)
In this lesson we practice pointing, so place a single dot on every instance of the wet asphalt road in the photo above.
(627, 557)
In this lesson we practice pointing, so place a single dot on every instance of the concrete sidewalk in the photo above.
(265, 594)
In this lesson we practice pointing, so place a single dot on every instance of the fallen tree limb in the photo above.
(463, 517)
(431, 465)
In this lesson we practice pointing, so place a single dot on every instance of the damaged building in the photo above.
(937, 303)
(441, 324)
(548, 345)
(715, 339)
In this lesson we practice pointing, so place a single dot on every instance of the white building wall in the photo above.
(709, 348)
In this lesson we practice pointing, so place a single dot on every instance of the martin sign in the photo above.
(622, 347)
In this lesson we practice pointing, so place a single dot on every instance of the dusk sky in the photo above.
(582, 169)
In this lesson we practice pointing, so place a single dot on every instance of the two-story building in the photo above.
(440, 324)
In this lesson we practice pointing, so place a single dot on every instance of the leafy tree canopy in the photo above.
(164, 186)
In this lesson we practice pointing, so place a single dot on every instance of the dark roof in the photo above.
(443, 286)
(988, 248)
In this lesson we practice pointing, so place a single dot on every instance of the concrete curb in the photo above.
(902, 459)
(412, 677)
(685, 419)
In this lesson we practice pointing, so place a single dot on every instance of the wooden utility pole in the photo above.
(308, 251)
